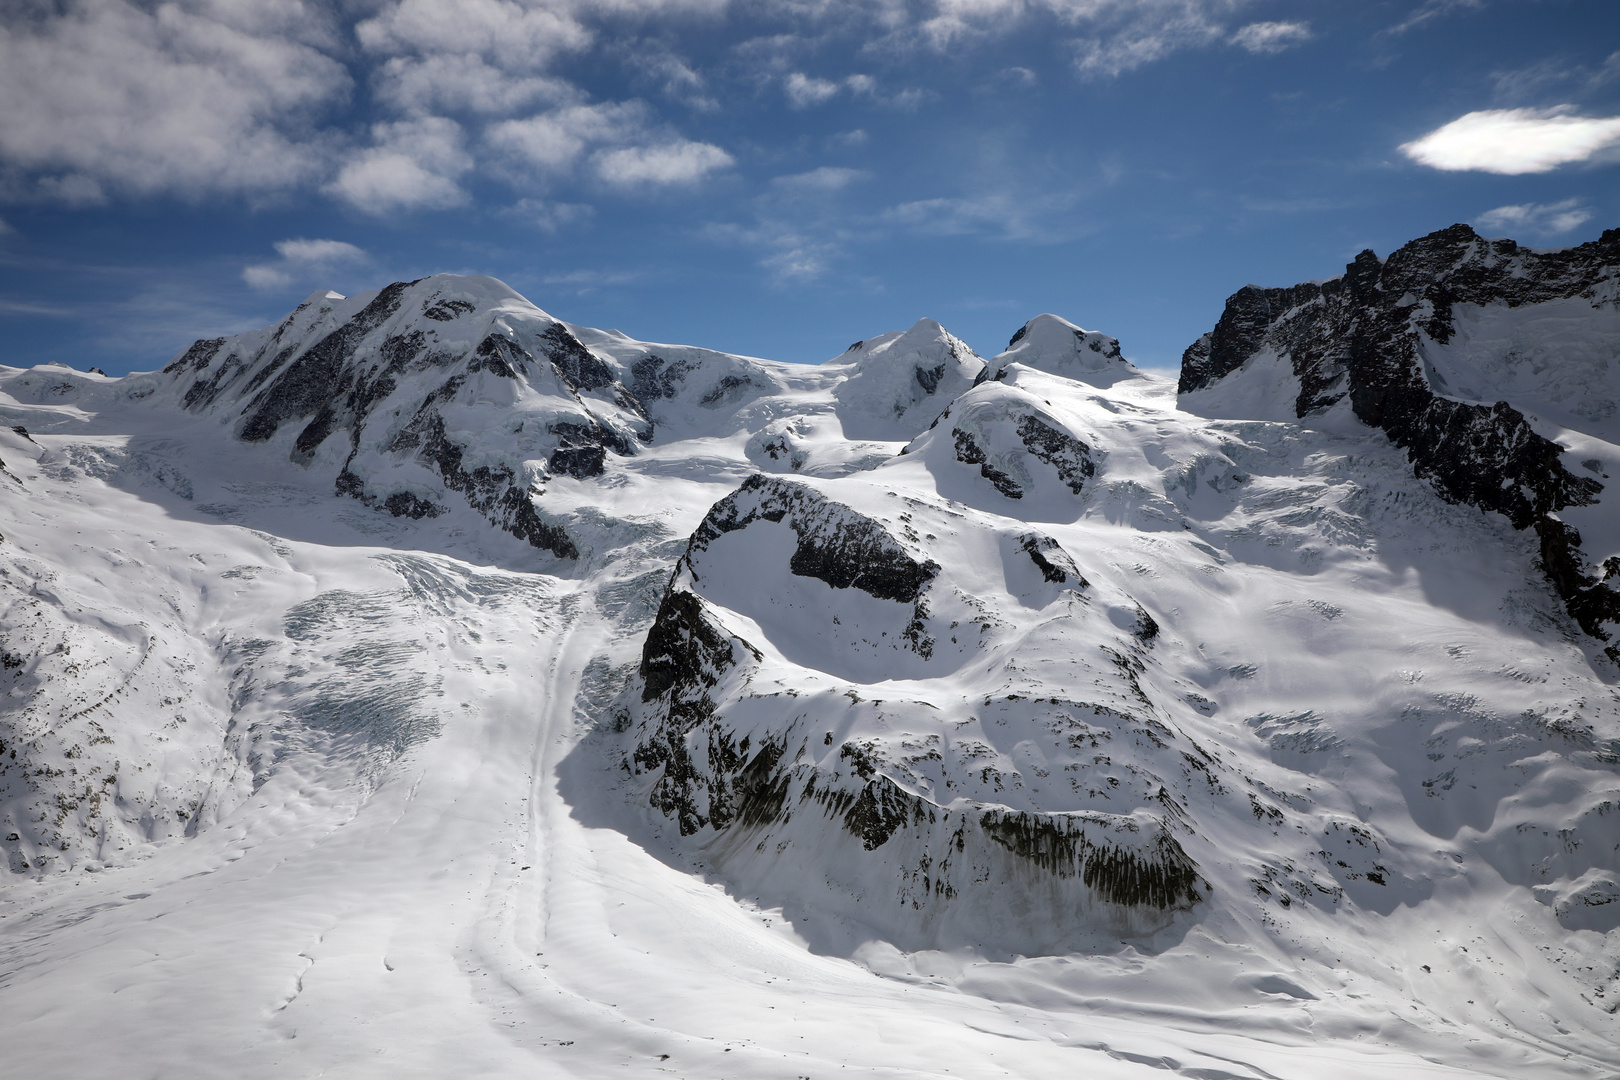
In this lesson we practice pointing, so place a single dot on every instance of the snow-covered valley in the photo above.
(427, 687)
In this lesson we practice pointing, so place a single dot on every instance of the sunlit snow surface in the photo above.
(343, 793)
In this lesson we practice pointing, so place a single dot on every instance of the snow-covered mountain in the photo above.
(461, 690)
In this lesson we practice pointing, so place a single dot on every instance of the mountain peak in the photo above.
(1055, 345)
(895, 375)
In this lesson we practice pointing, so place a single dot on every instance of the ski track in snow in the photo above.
(473, 894)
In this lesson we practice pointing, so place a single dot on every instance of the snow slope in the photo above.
(500, 694)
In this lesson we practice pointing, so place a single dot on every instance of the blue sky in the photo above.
(775, 177)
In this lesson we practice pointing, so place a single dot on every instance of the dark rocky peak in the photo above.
(1373, 337)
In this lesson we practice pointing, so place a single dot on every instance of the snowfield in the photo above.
(428, 687)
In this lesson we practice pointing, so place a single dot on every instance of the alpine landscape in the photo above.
(426, 686)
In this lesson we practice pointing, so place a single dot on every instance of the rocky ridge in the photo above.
(1368, 338)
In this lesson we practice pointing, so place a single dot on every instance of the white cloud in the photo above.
(1514, 141)
(202, 98)
(1430, 10)
(676, 79)
(1128, 34)
(549, 216)
(679, 162)
(1271, 37)
(803, 261)
(1007, 215)
(413, 164)
(189, 97)
(5, 228)
(206, 97)
(954, 20)
(827, 178)
(804, 90)
(319, 252)
(266, 276)
(1539, 79)
(301, 259)
(553, 142)
(454, 81)
(517, 37)
(1542, 219)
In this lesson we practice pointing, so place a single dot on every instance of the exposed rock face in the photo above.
(1003, 431)
(835, 544)
(685, 656)
(1368, 336)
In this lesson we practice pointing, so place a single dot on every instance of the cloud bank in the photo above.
(393, 106)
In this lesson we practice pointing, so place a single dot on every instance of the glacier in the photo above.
(425, 686)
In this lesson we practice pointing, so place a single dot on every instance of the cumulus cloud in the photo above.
(458, 81)
(210, 98)
(1515, 141)
(1271, 37)
(190, 97)
(517, 37)
(678, 162)
(675, 78)
(552, 142)
(1542, 219)
(412, 164)
(804, 90)
(300, 259)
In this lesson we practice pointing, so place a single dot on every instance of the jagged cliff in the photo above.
(1369, 338)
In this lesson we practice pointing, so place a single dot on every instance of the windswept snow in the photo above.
(533, 699)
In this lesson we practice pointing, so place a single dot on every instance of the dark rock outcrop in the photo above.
(973, 442)
(684, 657)
(1065, 453)
(1362, 337)
(836, 544)
(1051, 560)
(969, 452)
